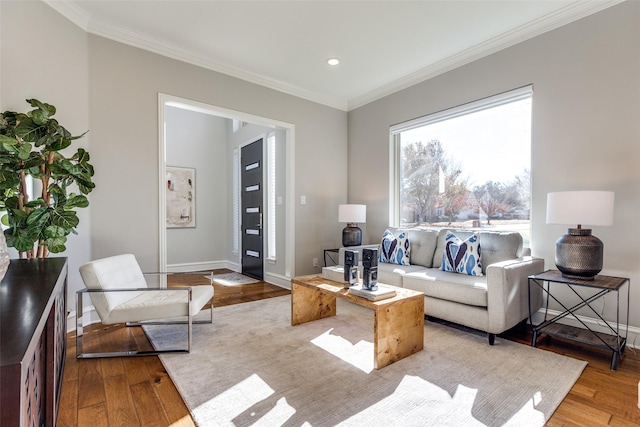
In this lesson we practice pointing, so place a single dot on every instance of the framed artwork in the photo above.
(181, 197)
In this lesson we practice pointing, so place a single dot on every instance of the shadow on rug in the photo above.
(251, 367)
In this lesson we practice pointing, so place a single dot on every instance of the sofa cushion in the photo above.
(500, 246)
(423, 244)
(392, 274)
(496, 246)
(462, 256)
(470, 290)
(395, 247)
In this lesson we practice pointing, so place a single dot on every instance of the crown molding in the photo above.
(70, 11)
(564, 16)
(161, 47)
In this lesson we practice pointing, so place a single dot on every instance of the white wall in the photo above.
(124, 131)
(197, 140)
(585, 129)
(45, 57)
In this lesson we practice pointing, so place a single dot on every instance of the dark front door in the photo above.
(251, 202)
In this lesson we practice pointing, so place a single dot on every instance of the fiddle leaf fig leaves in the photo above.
(31, 146)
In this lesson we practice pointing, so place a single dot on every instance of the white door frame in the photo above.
(174, 101)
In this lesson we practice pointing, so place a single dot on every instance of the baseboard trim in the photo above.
(278, 280)
(92, 317)
(632, 338)
(196, 266)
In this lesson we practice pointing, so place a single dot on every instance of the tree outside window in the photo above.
(470, 169)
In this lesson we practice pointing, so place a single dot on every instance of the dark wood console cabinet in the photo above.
(33, 328)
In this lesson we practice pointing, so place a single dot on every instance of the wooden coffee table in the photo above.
(398, 328)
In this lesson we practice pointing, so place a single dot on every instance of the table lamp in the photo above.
(352, 214)
(578, 253)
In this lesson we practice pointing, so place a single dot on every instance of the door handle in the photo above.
(260, 221)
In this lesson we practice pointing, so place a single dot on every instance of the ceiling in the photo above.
(383, 46)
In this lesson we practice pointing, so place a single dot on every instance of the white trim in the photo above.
(90, 317)
(632, 339)
(572, 12)
(278, 280)
(189, 267)
(464, 109)
(162, 177)
(174, 101)
(394, 193)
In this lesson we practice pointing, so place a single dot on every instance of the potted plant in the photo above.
(31, 146)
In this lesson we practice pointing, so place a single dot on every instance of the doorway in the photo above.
(251, 178)
(279, 272)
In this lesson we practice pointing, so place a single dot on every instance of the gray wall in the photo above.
(320, 138)
(585, 129)
(112, 90)
(199, 141)
(45, 57)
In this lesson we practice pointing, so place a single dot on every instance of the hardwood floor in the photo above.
(136, 391)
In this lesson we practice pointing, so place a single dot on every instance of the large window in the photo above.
(467, 167)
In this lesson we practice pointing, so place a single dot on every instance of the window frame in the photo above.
(447, 114)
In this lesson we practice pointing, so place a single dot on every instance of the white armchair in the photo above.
(120, 293)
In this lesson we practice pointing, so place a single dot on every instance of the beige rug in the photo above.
(232, 279)
(251, 367)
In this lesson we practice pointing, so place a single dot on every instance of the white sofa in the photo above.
(493, 303)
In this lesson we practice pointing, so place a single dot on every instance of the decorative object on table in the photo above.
(579, 254)
(350, 268)
(181, 197)
(334, 272)
(4, 256)
(31, 146)
(352, 215)
(370, 269)
(380, 293)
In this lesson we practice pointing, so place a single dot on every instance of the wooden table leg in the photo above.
(398, 331)
(309, 304)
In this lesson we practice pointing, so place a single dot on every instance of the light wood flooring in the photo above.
(136, 391)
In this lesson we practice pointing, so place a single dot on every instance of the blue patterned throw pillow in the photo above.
(395, 249)
(462, 256)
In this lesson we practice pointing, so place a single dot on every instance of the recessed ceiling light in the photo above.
(333, 61)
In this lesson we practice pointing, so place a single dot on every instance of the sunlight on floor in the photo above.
(359, 355)
(228, 405)
(415, 401)
(424, 401)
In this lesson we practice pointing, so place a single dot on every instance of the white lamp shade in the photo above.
(580, 207)
(352, 213)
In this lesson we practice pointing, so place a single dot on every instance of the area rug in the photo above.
(252, 368)
(232, 279)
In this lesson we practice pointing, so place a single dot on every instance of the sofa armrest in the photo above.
(355, 248)
(508, 292)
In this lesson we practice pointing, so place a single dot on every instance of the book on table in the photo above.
(381, 293)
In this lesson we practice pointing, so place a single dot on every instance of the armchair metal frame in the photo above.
(189, 321)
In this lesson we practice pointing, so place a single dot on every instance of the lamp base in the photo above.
(579, 254)
(351, 235)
